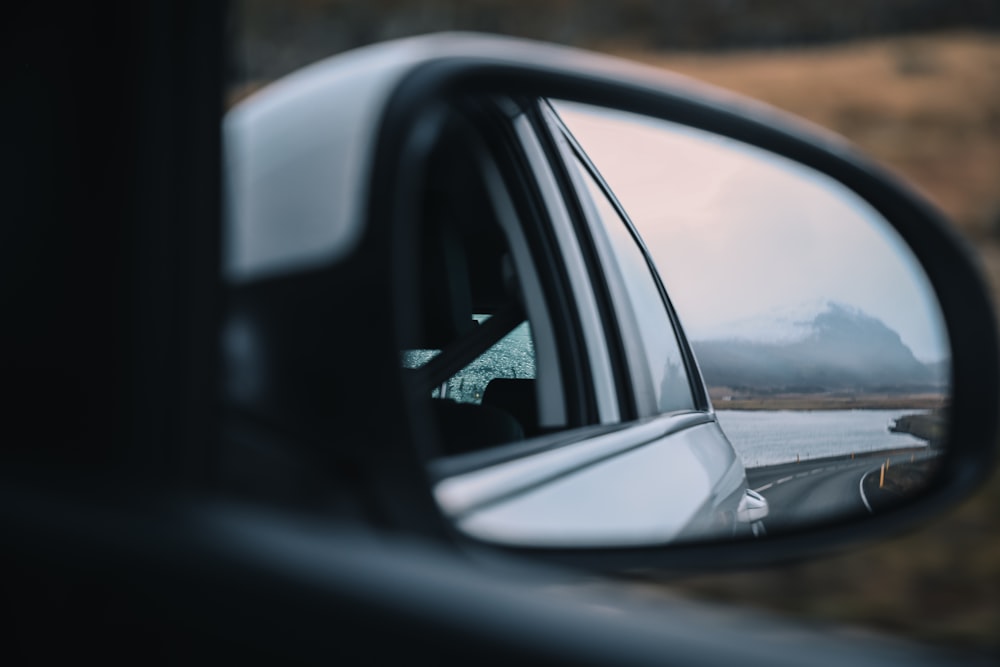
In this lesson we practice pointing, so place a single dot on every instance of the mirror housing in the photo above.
(398, 106)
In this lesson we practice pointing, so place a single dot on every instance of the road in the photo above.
(822, 488)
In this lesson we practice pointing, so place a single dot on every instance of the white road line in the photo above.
(803, 474)
(815, 471)
(861, 488)
(765, 487)
(784, 479)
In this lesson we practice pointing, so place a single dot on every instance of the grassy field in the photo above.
(929, 108)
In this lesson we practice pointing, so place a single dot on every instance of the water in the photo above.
(771, 437)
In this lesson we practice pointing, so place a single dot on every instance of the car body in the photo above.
(238, 469)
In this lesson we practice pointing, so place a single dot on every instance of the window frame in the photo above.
(590, 317)
(635, 366)
(522, 158)
(550, 302)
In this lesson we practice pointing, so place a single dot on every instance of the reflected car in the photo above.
(566, 406)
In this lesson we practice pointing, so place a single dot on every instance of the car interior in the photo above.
(469, 356)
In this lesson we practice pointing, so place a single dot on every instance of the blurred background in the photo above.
(914, 83)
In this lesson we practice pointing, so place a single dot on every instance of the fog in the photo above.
(737, 232)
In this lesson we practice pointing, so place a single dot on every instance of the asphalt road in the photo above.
(822, 488)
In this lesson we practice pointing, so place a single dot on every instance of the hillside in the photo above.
(831, 346)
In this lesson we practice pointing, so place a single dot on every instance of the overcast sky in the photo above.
(738, 232)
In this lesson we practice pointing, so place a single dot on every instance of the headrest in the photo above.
(517, 396)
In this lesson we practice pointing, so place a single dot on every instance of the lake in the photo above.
(764, 437)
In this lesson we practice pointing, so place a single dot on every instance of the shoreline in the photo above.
(926, 452)
(805, 402)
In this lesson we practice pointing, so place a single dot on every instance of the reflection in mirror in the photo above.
(816, 331)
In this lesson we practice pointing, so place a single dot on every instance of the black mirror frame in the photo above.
(944, 255)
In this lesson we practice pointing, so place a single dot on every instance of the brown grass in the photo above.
(899, 481)
(929, 108)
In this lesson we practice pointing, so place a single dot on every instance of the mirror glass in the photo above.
(816, 332)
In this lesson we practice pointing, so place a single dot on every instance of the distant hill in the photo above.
(833, 347)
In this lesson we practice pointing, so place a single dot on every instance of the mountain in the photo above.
(819, 346)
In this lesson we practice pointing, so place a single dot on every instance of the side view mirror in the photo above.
(637, 319)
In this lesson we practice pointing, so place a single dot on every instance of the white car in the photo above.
(567, 408)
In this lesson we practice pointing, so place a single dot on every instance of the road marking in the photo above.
(861, 488)
(784, 479)
(815, 471)
(765, 487)
(803, 474)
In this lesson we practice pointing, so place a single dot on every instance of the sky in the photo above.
(737, 232)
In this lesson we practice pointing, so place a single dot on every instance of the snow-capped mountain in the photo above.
(819, 345)
(786, 324)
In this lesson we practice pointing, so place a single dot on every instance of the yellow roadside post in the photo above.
(881, 476)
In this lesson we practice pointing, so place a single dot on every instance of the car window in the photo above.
(480, 270)
(483, 353)
(644, 318)
(511, 358)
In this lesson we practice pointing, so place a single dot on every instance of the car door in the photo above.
(665, 470)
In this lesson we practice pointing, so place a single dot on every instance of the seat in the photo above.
(517, 397)
(467, 427)
(445, 317)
